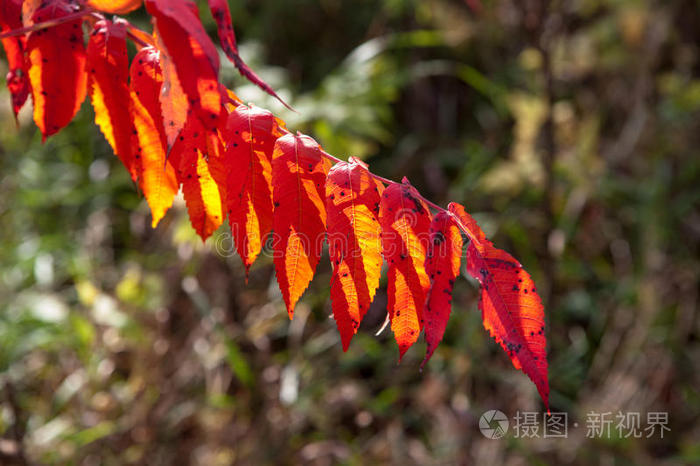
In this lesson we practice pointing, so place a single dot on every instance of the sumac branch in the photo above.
(175, 127)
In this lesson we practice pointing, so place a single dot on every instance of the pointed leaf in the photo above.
(202, 194)
(173, 102)
(298, 178)
(250, 137)
(194, 55)
(222, 15)
(57, 69)
(17, 77)
(511, 309)
(442, 266)
(405, 222)
(352, 202)
(471, 228)
(108, 75)
(157, 179)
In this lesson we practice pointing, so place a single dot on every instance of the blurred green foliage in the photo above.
(569, 129)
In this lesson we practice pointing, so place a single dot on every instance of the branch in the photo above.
(49, 23)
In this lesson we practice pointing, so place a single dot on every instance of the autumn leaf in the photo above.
(511, 309)
(194, 56)
(442, 266)
(17, 76)
(202, 193)
(470, 227)
(108, 75)
(202, 197)
(405, 221)
(57, 69)
(298, 179)
(173, 102)
(222, 15)
(250, 140)
(173, 123)
(352, 203)
(157, 178)
(118, 7)
(29, 7)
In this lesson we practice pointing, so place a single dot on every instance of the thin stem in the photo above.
(335, 159)
(46, 24)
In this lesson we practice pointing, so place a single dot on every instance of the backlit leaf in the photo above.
(202, 194)
(174, 106)
(157, 179)
(442, 266)
(352, 203)
(511, 309)
(250, 140)
(17, 75)
(118, 7)
(405, 221)
(194, 55)
(108, 75)
(298, 179)
(57, 69)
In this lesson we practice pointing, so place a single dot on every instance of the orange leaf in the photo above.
(442, 266)
(194, 55)
(17, 78)
(173, 101)
(202, 198)
(511, 309)
(298, 177)
(108, 66)
(118, 7)
(352, 202)
(405, 221)
(471, 228)
(29, 7)
(199, 186)
(250, 137)
(157, 179)
(57, 69)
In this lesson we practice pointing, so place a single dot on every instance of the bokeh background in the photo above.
(570, 129)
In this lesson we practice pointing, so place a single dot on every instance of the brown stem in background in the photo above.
(12, 451)
(548, 160)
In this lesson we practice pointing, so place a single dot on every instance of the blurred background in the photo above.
(570, 129)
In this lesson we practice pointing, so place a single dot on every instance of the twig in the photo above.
(47, 24)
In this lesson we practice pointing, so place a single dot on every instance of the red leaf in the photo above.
(57, 69)
(17, 77)
(227, 37)
(352, 202)
(442, 266)
(405, 220)
(298, 178)
(201, 190)
(250, 134)
(194, 55)
(471, 228)
(173, 101)
(108, 66)
(511, 309)
(157, 176)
